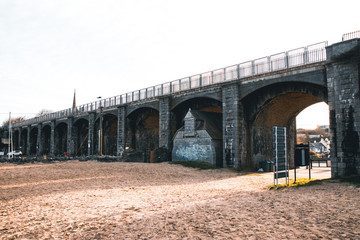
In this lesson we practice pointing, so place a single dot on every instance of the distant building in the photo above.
(321, 148)
(326, 143)
(4, 140)
(299, 135)
(325, 128)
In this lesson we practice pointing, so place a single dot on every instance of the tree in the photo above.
(13, 120)
(43, 112)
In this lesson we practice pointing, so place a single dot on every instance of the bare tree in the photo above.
(43, 112)
(13, 120)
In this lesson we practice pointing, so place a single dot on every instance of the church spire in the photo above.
(74, 100)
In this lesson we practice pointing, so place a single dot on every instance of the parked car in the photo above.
(14, 153)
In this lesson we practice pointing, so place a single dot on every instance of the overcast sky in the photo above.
(105, 48)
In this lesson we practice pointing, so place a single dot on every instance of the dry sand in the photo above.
(94, 200)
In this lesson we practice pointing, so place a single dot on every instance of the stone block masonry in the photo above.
(121, 131)
(252, 102)
(164, 123)
(343, 76)
(231, 134)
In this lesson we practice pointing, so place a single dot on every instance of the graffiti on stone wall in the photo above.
(195, 152)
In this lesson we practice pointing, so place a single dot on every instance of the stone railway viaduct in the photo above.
(246, 100)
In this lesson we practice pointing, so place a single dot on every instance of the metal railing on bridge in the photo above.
(351, 35)
(285, 60)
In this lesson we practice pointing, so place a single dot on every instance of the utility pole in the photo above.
(101, 132)
(10, 147)
(100, 129)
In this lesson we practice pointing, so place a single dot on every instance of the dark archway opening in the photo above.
(143, 131)
(204, 141)
(207, 105)
(60, 139)
(80, 137)
(16, 140)
(33, 141)
(45, 139)
(109, 141)
(276, 105)
(23, 141)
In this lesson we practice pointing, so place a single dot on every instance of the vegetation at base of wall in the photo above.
(299, 182)
(353, 179)
(194, 164)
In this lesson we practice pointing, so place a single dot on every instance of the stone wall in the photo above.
(249, 106)
(343, 76)
(194, 142)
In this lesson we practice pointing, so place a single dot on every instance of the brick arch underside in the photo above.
(143, 131)
(109, 144)
(80, 136)
(204, 104)
(208, 126)
(276, 105)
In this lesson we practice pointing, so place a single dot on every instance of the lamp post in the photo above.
(100, 130)
(10, 146)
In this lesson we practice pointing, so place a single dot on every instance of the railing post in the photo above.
(286, 59)
(252, 68)
(238, 71)
(200, 80)
(224, 78)
(190, 82)
(268, 61)
(306, 55)
(212, 77)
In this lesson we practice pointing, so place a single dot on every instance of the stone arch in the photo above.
(23, 140)
(143, 131)
(109, 141)
(16, 139)
(33, 140)
(200, 139)
(60, 139)
(45, 139)
(204, 104)
(276, 105)
(213, 94)
(80, 135)
(135, 107)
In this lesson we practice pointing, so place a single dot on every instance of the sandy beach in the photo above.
(97, 200)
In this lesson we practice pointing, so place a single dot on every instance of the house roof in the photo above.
(211, 122)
